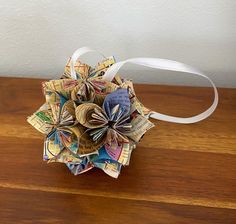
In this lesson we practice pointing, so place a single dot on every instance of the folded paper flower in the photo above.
(92, 118)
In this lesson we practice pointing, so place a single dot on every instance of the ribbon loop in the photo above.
(164, 64)
(78, 53)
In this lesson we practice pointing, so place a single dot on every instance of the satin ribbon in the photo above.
(78, 53)
(157, 63)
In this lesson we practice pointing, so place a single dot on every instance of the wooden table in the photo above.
(178, 173)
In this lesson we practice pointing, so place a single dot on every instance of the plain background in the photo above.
(38, 36)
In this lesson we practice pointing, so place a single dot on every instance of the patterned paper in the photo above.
(89, 122)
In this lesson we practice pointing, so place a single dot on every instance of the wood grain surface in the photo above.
(178, 173)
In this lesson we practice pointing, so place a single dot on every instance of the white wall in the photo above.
(37, 36)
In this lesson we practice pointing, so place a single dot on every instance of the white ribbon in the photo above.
(156, 63)
(78, 53)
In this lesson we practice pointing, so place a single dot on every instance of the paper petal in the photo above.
(140, 125)
(120, 154)
(104, 162)
(84, 115)
(51, 149)
(62, 86)
(84, 92)
(82, 167)
(42, 119)
(119, 97)
(66, 156)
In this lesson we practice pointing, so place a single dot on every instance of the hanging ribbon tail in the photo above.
(78, 53)
(164, 64)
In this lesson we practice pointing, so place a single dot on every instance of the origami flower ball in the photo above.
(89, 122)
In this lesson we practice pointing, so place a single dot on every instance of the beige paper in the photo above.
(140, 125)
(62, 86)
